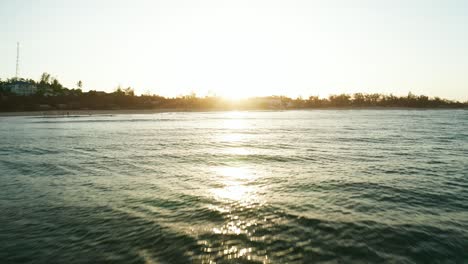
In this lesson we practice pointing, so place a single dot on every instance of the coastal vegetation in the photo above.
(50, 94)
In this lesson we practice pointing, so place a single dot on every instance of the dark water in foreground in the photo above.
(274, 187)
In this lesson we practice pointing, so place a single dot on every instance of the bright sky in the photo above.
(242, 47)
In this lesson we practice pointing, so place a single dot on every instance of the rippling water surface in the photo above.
(245, 187)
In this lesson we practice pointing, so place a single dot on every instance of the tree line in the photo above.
(52, 95)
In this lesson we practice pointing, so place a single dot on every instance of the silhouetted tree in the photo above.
(45, 78)
(129, 91)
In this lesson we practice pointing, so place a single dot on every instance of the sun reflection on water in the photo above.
(234, 123)
(236, 184)
(234, 126)
(236, 192)
(239, 196)
(232, 137)
(237, 181)
(238, 151)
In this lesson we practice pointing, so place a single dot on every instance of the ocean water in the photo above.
(333, 186)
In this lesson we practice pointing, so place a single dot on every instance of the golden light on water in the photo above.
(234, 173)
(235, 183)
(232, 137)
(233, 123)
(235, 120)
(235, 179)
(238, 151)
(237, 193)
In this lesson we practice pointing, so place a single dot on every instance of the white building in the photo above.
(22, 88)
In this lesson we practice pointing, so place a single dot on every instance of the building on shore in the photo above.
(22, 88)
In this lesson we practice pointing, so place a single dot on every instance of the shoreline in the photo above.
(175, 110)
(89, 112)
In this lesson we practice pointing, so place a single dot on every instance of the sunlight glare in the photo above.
(235, 181)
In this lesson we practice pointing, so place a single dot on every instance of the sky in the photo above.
(241, 48)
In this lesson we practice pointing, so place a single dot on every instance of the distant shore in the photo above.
(89, 112)
(49, 97)
(168, 110)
